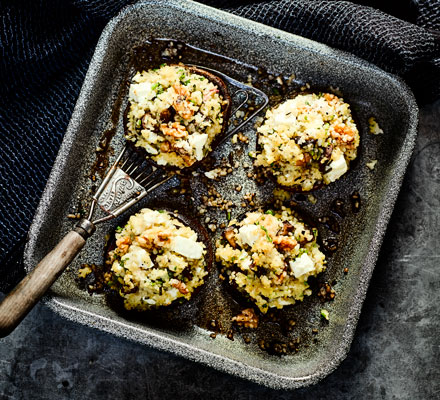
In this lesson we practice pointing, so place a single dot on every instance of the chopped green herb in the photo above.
(228, 216)
(119, 229)
(315, 233)
(301, 252)
(138, 122)
(307, 103)
(162, 65)
(325, 314)
(161, 211)
(158, 88)
(269, 239)
(270, 212)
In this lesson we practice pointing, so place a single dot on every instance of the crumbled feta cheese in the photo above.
(246, 263)
(187, 247)
(249, 234)
(338, 168)
(302, 265)
(141, 92)
(197, 141)
(149, 218)
(138, 256)
(150, 149)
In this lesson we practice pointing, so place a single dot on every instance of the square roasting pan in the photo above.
(246, 46)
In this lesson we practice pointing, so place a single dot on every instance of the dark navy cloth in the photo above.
(46, 47)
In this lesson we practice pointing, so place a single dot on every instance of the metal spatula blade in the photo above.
(130, 179)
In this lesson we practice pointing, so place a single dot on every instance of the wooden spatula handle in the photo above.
(26, 294)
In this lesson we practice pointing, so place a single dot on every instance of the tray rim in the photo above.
(152, 339)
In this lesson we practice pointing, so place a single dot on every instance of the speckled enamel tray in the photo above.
(246, 47)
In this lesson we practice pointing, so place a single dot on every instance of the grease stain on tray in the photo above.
(234, 187)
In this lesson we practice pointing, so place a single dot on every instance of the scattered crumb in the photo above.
(247, 318)
(375, 129)
(84, 271)
(326, 292)
(246, 339)
(312, 199)
(325, 314)
(291, 79)
(239, 114)
(242, 138)
(258, 122)
(336, 91)
(213, 174)
(371, 164)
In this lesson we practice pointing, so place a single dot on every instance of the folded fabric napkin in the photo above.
(46, 46)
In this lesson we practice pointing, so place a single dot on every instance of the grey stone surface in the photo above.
(395, 353)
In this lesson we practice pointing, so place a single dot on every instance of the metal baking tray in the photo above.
(246, 51)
